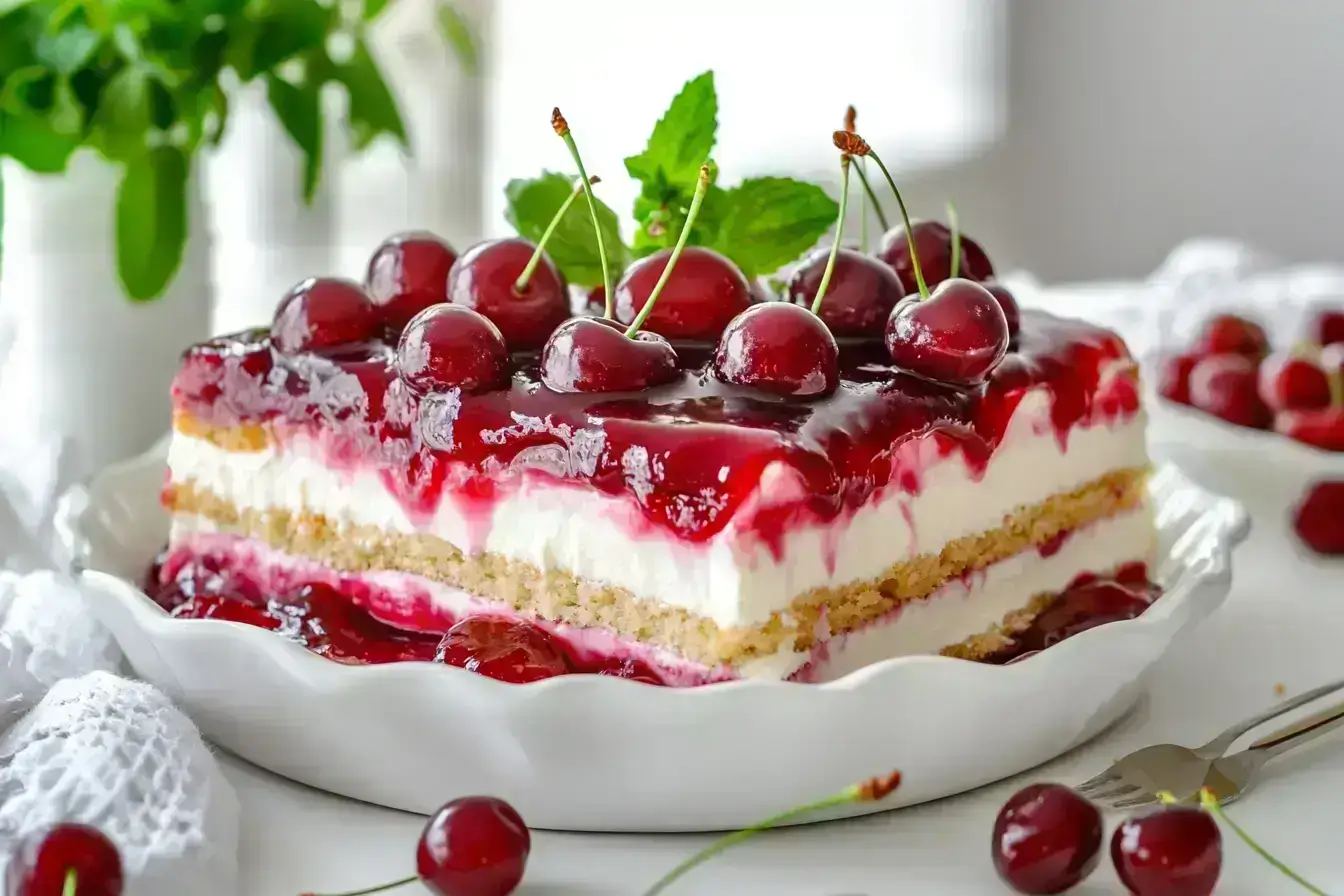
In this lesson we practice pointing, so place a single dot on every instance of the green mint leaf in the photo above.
(662, 215)
(300, 113)
(373, 111)
(458, 34)
(151, 221)
(67, 51)
(34, 144)
(373, 9)
(288, 31)
(125, 113)
(770, 221)
(573, 245)
(682, 139)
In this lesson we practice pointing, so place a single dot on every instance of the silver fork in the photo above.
(1231, 776)
(1136, 779)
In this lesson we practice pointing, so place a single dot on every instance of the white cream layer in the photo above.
(732, 578)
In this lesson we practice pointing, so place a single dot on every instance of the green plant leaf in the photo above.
(290, 30)
(573, 245)
(770, 221)
(682, 139)
(373, 111)
(18, 84)
(373, 9)
(125, 112)
(67, 51)
(152, 221)
(458, 33)
(67, 115)
(33, 144)
(300, 112)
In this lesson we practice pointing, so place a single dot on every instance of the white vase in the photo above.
(85, 362)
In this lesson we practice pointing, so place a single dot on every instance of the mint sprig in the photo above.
(572, 247)
(771, 221)
(681, 140)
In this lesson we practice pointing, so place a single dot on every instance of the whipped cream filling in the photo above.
(733, 578)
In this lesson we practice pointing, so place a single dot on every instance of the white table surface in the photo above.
(1282, 624)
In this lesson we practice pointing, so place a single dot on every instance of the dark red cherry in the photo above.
(779, 348)
(407, 274)
(1318, 519)
(1047, 839)
(449, 346)
(1327, 327)
(1228, 386)
(704, 292)
(504, 649)
(1321, 428)
(41, 864)
(957, 335)
(483, 279)
(1011, 311)
(1172, 851)
(593, 354)
(933, 242)
(1173, 378)
(474, 846)
(1289, 382)
(859, 297)
(1230, 334)
(323, 312)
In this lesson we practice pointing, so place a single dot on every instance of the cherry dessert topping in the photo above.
(1228, 386)
(504, 649)
(704, 292)
(449, 346)
(1289, 382)
(933, 243)
(323, 312)
(1321, 428)
(1173, 377)
(474, 846)
(593, 354)
(633, 669)
(859, 297)
(1327, 327)
(1047, 839)
(957, 335)
(407, 274)
(1318, 519)
(42, 863)
(780, 348)
(1231, 334)
(1012, 312)
(484, 278)
(1172, 851)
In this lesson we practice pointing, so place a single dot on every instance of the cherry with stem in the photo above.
(520, 285)
(71, 883)
(845, 164)
(701, 188)
(1209, 801)
(850, 116)
(562, 130)
(853, 144)
(868, 195)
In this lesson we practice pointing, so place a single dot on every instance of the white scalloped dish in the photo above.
(587, 752)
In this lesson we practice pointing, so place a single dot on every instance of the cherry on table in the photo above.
(593, 354)
(503, 649)
(449, 346)
(1047, 839)
(324, 312)
(407, 274)
(859, 297)
(1228, 386)
(780, 348)
(1172, 851)
(1231, 334)
(474, 846)
(1291, 382)
(1318, 518)
(484, 279)
(42, 862)
(704, 292)
(1327, 327)
(933, 243)
(958, 335)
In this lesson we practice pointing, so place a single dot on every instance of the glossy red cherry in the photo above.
(1047, 839)
(593, 354)
(779, 348)
(1318, 519)
(859, 298)
(1172, 851)
(474, 846)
(407, 274)
(1327, 327)
(449, 346)
(933, 243)
(484, 278)
(1228, 386)
(1231, 334)
(1173, 377)
(1289, 382)
(1321, 428)
(957, 335)
(704, 292)
(323, 312)
(504, 649)
(42, 863)
(1012, 312)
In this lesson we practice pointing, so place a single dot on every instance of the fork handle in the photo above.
(1310, 728)
(1223, 742)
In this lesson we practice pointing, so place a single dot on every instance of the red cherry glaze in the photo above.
(1230, 334)
(958, 335)
(1012, 312)
(704, 292)
(1327, 327)
(858, 299)
(324, 312)
(1047, 839)
(449, 346)
(1228, 386)
(40, 864)
(779, 348)
(483, 278)
(1172, 851)
(474, 846)
(407, 274)
(227, 608)
(1289, 382)
(593, 354)
(503, 649)
(933, 243)
(630, 668)
(1173, 378)
(1318, 519)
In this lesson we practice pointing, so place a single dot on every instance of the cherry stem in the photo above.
(520, 285)
(701, 188)
(562, 128)
(872, 197)
(871, 790)
(71, 881)
(955, 269)
(905, 218)
(381, 888)
(1210, 804)
(839, 232)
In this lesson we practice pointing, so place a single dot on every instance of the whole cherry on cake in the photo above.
(862, 292)
(65, 860)
(695, 303)
(450, 346)
(324, 312)
(1047, 839)
(940, 256)
(407, 274)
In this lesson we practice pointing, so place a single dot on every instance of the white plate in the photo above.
(599, 753)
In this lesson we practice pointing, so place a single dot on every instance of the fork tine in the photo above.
(1110, 794)
(1134, 802)
(1097, 781)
